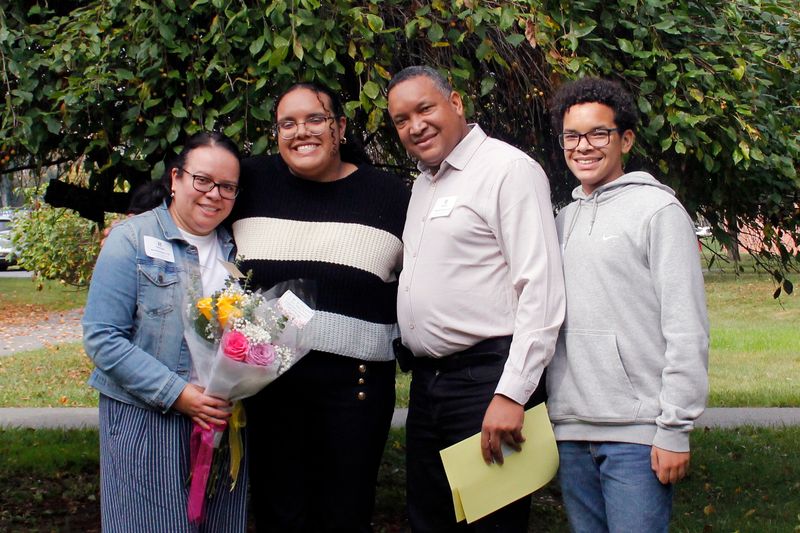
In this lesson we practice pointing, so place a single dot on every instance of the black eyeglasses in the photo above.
(315, 125)
(201, 183)
(596, 138)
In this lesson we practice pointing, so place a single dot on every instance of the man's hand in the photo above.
(670, 467)
(502, 423)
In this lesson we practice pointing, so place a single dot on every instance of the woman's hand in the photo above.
(202, 409)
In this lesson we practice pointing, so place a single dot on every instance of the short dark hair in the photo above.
(352, 151)
(589, 90)
(147, 196)
(415, 71)
(198, 140)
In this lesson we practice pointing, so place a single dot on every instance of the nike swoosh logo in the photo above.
(608, 237)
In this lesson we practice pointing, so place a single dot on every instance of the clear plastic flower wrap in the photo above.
(240, 341)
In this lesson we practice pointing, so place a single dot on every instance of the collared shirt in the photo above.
(481, 259)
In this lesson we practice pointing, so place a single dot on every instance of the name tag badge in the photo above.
(443, 207)
(158, 249)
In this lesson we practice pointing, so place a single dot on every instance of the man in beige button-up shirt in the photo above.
(481, 295)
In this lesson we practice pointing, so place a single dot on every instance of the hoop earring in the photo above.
(343, 140)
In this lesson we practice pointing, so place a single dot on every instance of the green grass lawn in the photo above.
(755, 346)
(745, 480)
(45, 294)
(49, 377)
(754, 359)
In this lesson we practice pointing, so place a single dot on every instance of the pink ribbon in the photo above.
(202, 451)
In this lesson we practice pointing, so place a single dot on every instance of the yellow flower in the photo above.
(226, 310)
(204, 306)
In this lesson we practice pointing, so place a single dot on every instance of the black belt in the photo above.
(487, 351)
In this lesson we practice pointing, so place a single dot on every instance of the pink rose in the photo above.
(235, 345)
(261, 355)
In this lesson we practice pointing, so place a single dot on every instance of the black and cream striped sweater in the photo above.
(344, 235)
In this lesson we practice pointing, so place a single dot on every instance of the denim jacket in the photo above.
(133, 324)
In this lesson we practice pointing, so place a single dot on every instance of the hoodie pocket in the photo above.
(587, 381)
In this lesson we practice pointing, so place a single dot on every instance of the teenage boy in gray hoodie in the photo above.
(630, 372)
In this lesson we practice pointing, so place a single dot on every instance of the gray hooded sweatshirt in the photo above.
(631, 363)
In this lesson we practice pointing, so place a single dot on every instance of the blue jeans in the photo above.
(610, 487)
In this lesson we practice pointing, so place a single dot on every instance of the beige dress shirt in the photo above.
(481, 259)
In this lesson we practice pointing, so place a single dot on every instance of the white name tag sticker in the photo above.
(158, 249)
(232, 269)
(295, 309)
(443, 206)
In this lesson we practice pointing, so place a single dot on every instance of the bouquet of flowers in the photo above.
(240, 341)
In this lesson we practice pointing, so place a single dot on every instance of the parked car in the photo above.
(5, 241)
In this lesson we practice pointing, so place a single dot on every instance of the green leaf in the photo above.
(375, 23)
(260, 145)
(178, 111)
(257, 45)
(234, 128)
(328, 57)
(515, 39)
(435, 33)
(644, 105)
(487, 84)
(374, 119)
(583, 30)
(297, 48)
(697, 94)
(625, 45)
(371, 89)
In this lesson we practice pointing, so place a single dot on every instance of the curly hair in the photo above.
(588, 90)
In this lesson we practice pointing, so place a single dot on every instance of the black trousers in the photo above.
(446, 406)
(316, 436)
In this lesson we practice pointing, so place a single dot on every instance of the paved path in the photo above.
(86, 417)
(54, 328)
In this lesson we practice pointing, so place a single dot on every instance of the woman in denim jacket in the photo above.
(133, 332)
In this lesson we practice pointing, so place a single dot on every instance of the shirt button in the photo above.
(406, 289)
(361, 396)
(360, 381)
(362, 368)
(411, 326)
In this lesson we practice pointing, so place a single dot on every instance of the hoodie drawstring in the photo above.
(572, 224)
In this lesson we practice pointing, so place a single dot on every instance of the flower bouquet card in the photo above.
(480, 489)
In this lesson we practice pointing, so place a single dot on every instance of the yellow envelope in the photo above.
(480, 489)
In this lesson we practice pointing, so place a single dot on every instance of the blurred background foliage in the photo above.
(108, 88)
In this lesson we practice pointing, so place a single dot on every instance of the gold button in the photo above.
(362, 368)
(360, 381)
(362, 395)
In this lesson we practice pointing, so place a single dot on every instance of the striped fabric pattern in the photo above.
(144, 474)
(353, 245)
(344, 235)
